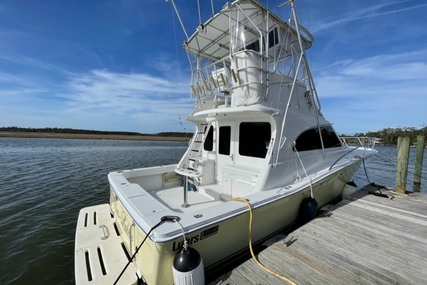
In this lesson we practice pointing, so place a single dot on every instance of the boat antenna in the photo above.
(212, 6)
(179, 18)
(200, 16)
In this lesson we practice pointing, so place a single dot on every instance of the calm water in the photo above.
(381, 169)
(45, 182)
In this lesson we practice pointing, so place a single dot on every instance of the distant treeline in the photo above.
(389, 136)
(174, 134)
(91, 132)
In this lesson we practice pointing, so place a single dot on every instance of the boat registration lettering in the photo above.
(177, 245)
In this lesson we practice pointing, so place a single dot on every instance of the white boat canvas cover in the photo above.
(212, 39)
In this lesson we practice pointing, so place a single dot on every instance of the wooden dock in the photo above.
(366, 239)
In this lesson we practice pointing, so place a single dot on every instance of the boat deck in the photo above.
(173, 198)
(367, 239)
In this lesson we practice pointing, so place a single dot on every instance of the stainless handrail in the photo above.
(366, 142)
(343, 156)
(104, 232)
(130, 237)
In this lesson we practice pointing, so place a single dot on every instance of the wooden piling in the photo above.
(419, 163)
(402, 163)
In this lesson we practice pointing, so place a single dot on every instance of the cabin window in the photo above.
(254, 138)
(330, 138)
(208, 144)
(224, 140)
(310, 140)
(273, 37)
(253, 46)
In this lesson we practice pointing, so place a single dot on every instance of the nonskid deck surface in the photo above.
(205, 197)
(99, 254)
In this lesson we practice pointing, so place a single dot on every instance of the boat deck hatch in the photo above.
(100, 255)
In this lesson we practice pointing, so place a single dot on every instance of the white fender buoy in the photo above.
(349, 189)
(188, 268)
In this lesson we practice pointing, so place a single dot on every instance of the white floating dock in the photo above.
(100, 260)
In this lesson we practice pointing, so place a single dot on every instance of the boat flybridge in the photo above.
(259, 135)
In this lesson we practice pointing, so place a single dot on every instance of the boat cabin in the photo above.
(249, 80)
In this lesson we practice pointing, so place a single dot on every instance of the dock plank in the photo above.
(362, 240)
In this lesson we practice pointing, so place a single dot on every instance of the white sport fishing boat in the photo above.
(259, 135)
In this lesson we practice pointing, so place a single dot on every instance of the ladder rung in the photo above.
(189, 168)
(200, 133)
(192, 159)
(198, 141)
(195, 150)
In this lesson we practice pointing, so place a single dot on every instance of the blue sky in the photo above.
(119, 65)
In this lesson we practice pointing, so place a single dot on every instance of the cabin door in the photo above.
(225, 152)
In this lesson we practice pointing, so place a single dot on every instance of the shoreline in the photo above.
(89, 136)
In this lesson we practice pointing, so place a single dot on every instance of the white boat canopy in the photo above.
(212, 39)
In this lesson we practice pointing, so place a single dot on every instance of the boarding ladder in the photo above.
(196, 149)
(188, 167)
(190, 170)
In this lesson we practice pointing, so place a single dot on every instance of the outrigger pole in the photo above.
(311, 85)
(179, 18)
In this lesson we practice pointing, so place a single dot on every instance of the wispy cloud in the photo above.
(7, 78)
(32, 63)
(373, 90)
(134, 96)
(404, 71)
(364, 13)
(13, 87)
(149, 103)
(119, 90)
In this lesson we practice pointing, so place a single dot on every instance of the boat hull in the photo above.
(217, 242)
